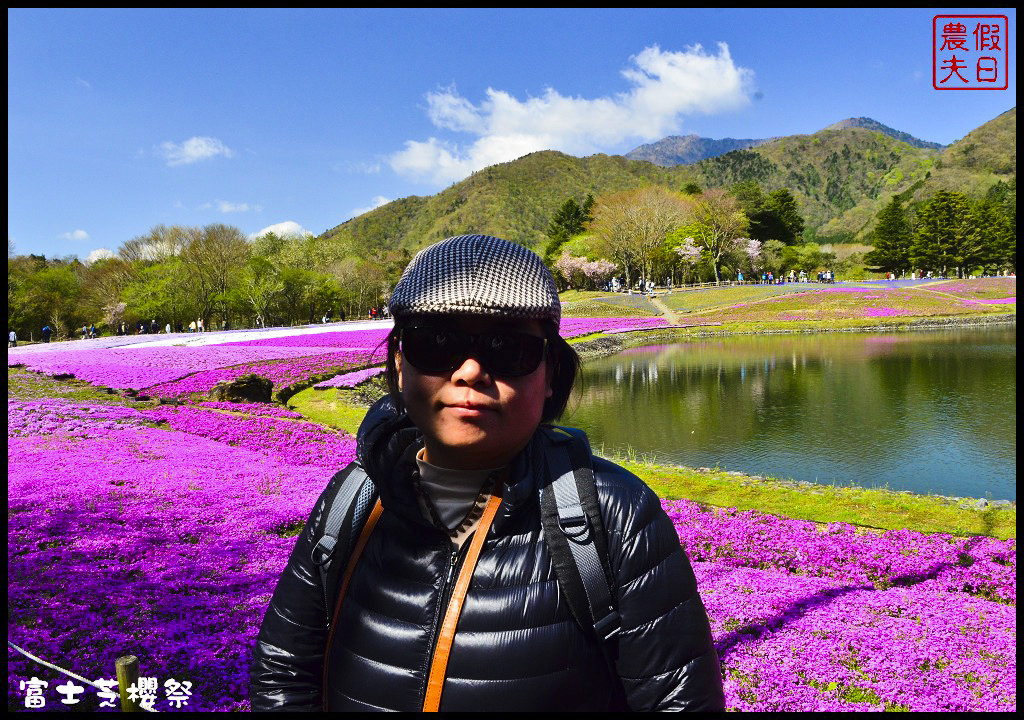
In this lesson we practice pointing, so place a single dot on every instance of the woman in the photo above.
(458, 454)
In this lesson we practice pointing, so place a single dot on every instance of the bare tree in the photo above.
(630, 226)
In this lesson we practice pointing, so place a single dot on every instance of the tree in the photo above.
(892, 240)
(569, 220)
(260, 286)
(214, 258)
(579, 272)
(781, 205)
(631, 225)
(719, 227)
(996, 222)
(943, 239)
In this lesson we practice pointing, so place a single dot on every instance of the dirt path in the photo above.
(669, 315)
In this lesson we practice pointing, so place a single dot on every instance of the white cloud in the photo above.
(376, 203)
(228, 207)
(76, 235)
(98, 254)
(288, 227)
(193, 150)
(666, 86)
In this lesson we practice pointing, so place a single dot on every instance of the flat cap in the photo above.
(477, 275)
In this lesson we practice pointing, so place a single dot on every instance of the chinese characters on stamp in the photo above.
(970, 52)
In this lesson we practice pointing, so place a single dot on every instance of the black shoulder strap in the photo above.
(574, 532)
(346, 512)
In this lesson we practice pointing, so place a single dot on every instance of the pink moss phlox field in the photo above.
(252, 409)
(981, 566)
(160, 542)
(140, 367)
(793, 643)
(294, 442)
(349, 380)
(351, 340)
(161, 532)
(282, 373)
(573, 327)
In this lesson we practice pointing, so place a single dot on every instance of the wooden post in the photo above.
(128, 675)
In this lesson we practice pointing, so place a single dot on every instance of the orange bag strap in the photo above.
(439, 665)
(357, 550)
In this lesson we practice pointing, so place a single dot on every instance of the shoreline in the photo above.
(603, 345)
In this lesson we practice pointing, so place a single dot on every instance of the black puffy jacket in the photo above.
(517, 646)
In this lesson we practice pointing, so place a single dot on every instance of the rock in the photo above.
(248, 388)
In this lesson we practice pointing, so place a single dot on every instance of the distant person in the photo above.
(192, 326)
(12, 339)
(199, 325)
(167, 329)
(92, 331)
(224, 325)
(46, 333)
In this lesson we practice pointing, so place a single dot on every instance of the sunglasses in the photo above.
(504, 353)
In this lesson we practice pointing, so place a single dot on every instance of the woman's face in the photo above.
(470, 418)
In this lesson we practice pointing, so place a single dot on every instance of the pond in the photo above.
(926, 411)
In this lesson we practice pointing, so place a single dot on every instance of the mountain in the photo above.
(688, 149)
(869, 124)
(841, 177)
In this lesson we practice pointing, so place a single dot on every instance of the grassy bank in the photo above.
(870, 508)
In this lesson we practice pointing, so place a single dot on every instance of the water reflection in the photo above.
(923, 411)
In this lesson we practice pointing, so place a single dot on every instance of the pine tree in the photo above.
(943, 238)
(892, 237)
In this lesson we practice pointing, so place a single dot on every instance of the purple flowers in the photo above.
(161, 532)
(349, 380)
(809, 618)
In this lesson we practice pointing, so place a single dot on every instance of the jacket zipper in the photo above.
(454, 560)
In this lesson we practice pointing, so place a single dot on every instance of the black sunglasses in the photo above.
(504, 353)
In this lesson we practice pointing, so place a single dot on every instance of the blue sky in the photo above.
(120, 120)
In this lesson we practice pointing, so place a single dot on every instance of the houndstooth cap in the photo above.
(477, 275)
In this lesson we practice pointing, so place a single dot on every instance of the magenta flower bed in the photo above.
(140, 367)
(349, 380)
(351, 340)
(163, 543)
(282, 373)
(819, 619)
(572, 327)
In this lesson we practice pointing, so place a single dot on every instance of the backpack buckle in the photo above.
(323, 550)
(574, 526)
(608, 626)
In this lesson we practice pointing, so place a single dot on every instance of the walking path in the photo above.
(672, 318)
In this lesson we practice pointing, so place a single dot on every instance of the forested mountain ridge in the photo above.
(841, 177)
(869, 124)
(689, 149)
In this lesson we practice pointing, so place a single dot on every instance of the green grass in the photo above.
(24, 384)
(869, 507)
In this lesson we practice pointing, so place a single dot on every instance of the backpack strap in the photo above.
(575, 535)
(347, 512)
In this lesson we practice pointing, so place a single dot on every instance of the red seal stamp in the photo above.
(970, 52)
